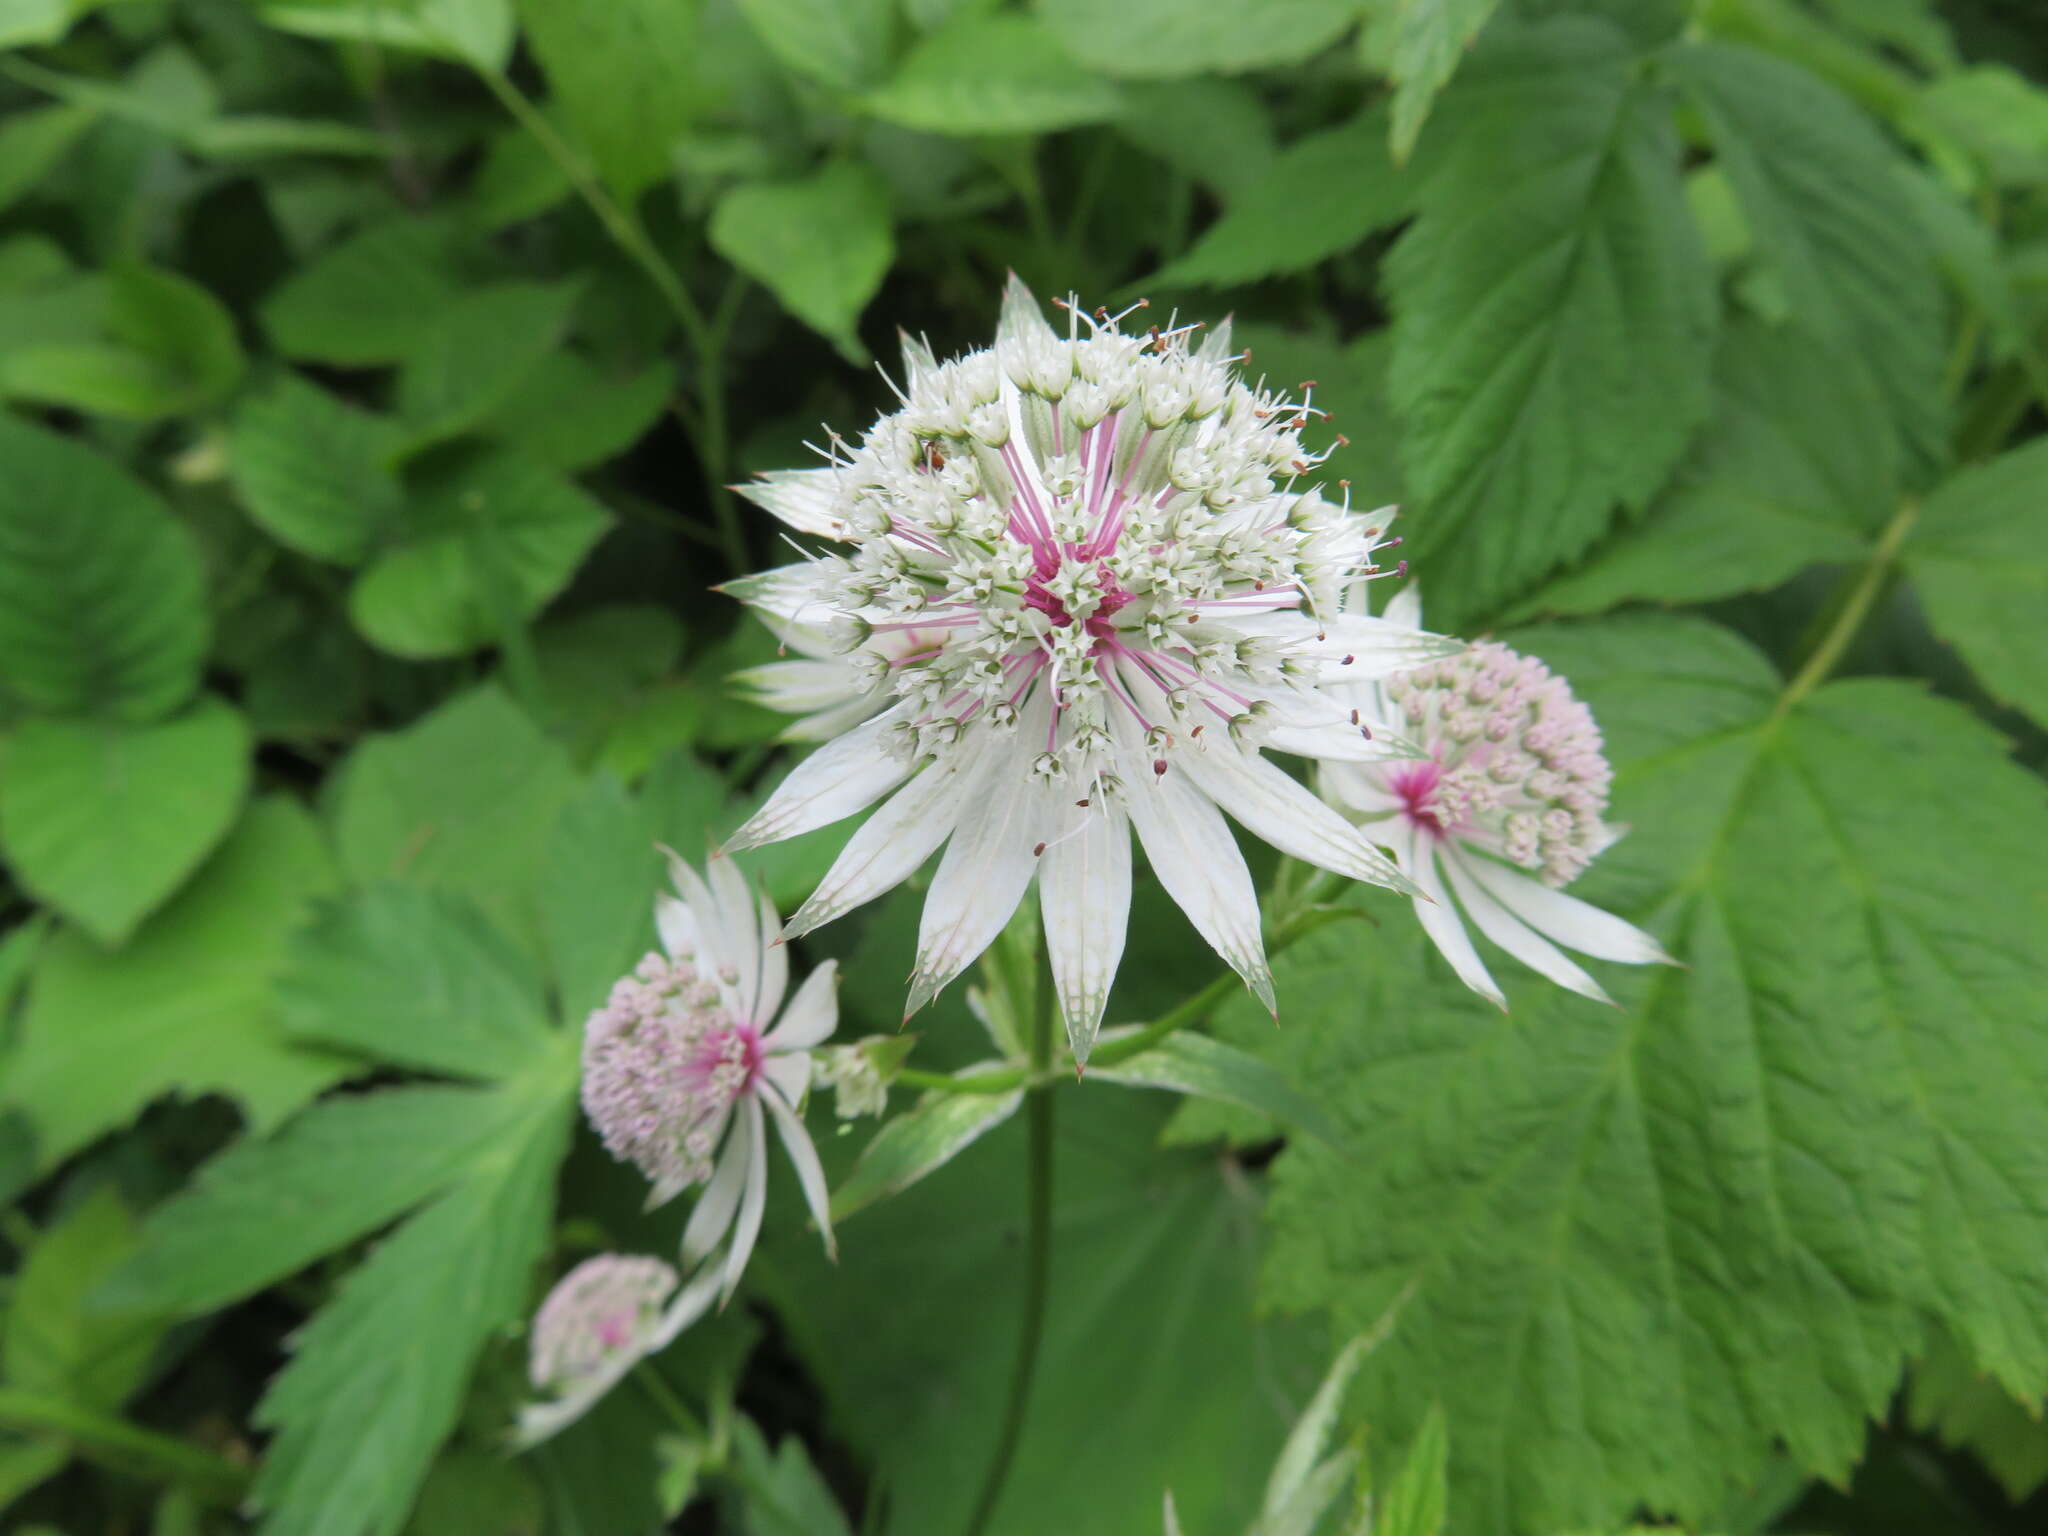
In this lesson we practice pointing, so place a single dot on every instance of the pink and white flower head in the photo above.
(1506, 806)
(1082, 586)
(601, 1319)
(686, 1062)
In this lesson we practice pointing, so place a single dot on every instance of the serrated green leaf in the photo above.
(844, 44)
(477, 353)
(1713, 1218)
(1817, 181)
(1979, 556)
(1553, 312)
(368, 300)
(782, 1492)
(417, 978)
(598, 671)
(822, 245)
(314, 472)
(1971, 1412)
(55, 1343)
(186, 1007)
(1797, 466)
(478, 32)
(597, 895)
(467, 798)
(1320, 195)
(377, 1377)
(1416, 1500)
(105, 820)
(566, 415)
(1420, 43)
(170, 348)
(100, 589)
(624, 76)
(265, 1209)
(1205, 1068)
(992, 74)
(490, 537)
(1995, 113)
(1217, 131)
(911, 1334)
(918, 1142)
(1168, 39)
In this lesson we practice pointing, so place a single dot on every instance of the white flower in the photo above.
(685, 1064)
(1515, 780)
(601, 1319)
(1081, 588)
(858, 1087)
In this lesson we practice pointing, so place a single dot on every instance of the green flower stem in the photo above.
(1852, 607)
(664, 1398)
(212, 1477)
(1038, 1248)
(707, 337)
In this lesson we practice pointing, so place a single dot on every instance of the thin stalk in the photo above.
(218, 1480)
(1859, 597)
(1038, 1250)
(664, 1398)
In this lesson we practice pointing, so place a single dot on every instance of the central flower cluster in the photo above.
(604, 1309)
(663, 1063)
(1517, 763)
(1076, 530)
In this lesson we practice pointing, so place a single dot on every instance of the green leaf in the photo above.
(477, 32)
(378, 1376)
(1818, 183)
(1217, 131)
(623, 74)
(1205, 1068)
(1154, 1372)
(27, 1463)
(822, 245)
(597, 895)
(101, 610)
(1419, 43)
(416, 978)
(566, 415)
(1797, 466)
(313, 471)
(1321, 195)
(368, 300)
(992, 74)
(170, 349)
(33, 23)
(465, 799)
(1996, 113)
(31, 144)
(1979, 557)
(265, 1209)
(1711, 1220)
(1553, 312)
(56, 1343)
(477, 353)
(1350, 382)
(783, 1493)
(490, 537)
(105, 820)
(1971, 1412)
(599, 670)
(1414, 1503)
(186, 1006)
(1167, 39)
(918, 1142)
(844, 44)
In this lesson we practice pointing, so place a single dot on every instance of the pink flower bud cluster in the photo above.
(663, 1062)
(1518, 762)
(603, 1310)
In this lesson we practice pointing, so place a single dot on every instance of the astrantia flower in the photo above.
(685, 1064)
(1083, 586)
(1506, 807)
(601, 1319)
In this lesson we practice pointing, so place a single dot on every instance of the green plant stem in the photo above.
(1858, 597)
(664, 1398)
(218, 1480)
(1038, 1249)
(706, 425)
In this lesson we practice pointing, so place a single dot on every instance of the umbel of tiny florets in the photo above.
(603, 1310)
(1082, 582)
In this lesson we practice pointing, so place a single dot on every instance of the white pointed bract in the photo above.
(1082, 584)
(1503, 811)
(601, 1319)
(686, 1064)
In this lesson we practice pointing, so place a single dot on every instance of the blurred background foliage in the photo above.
(374, 373)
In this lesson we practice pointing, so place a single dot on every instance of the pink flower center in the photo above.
(1415, 783)
(727, 1062)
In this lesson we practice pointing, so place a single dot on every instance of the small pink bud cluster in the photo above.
(1518, 765)
(603, 1309)
(663, 1061)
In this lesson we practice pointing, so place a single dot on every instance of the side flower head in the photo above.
(1503, 811)
(1083, 584)
(601, 1319)
(687, 1062)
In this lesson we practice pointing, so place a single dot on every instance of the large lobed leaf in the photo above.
(1553, 310)
(1649, 1243)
